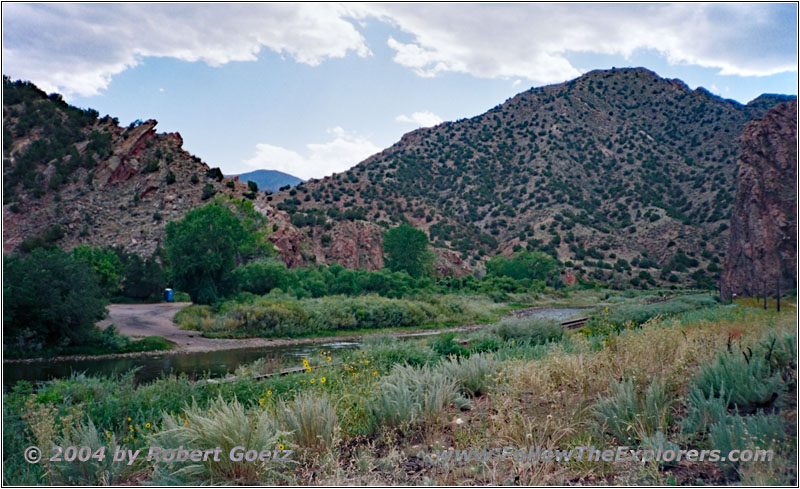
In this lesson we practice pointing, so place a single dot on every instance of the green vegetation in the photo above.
(202, 249)
(53, 299)
(49, 298)
(277, 315)
(349, 417)
(407, 249)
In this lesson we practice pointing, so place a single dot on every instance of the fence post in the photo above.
(779, 293)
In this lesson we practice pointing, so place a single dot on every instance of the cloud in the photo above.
(421, 119)
(78, 48)
(344, 151)
(534, 41)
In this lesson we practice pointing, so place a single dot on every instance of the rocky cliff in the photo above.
(97, 183)
(763, 241)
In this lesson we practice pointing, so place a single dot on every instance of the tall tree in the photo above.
(49, 299)
(202, 249)
(407, 249)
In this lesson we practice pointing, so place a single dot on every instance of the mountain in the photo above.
(627, 177)
(271, 180)
(72, 177)
(763, 244)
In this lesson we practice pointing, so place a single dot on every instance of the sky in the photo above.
(314, 88)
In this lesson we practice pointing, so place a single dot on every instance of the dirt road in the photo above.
(140, 320)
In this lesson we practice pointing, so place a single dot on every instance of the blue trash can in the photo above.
(169, 295)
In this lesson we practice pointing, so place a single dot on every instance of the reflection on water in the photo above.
(215, 363)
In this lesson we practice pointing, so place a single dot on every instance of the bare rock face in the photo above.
(449, 262)
(763, 239)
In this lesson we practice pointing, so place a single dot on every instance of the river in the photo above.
(198, 364)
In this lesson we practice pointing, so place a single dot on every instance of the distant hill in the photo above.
(271, 180)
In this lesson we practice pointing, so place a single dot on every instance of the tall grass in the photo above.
(311, 419)
(410, 395)
(630, 417)
(529, 330)
(224, 424)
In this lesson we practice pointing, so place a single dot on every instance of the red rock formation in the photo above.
(763, 243)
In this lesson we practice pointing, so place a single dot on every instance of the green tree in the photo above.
(106, 266)
(533, 265)
(407, 249)
(202, 250)
(144, 279)
(50, 299)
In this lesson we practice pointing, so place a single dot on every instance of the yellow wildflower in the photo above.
(322, 379)
(269, 393)
(147, 425)
(311, 381)
(374, 373)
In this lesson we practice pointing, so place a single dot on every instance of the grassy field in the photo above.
(709, 377)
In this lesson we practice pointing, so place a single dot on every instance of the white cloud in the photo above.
(533, 41)
(421, 119)
(344, 151)
(78, 48)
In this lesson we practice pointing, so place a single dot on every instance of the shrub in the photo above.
(275, 315)
(409, 395)
(531, 330)
(703, 411)
(758, 432)
(745, 381)
(445, 345)
(93, 472)
(473, 375)
(628, 417)
(484, 341)
(388, 350)
(49, 298)
(223, 424)
(311, 418)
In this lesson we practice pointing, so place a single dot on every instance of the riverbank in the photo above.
(153, 319)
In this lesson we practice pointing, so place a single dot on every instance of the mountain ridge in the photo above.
(271, 180)
(626, 177)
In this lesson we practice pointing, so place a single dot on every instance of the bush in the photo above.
(611, 320)
(311, 419)
(629, 418)
(388, 350)
(282, 316)
(473, 375)
(223, 424)
(260, 277)
(704, 410)
(531, 330)
(49, 298)
(92, 472)
(410, 395)
(445, 345)
(758, 432)
(746, 382)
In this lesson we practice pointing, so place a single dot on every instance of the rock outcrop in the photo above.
(763, 240)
